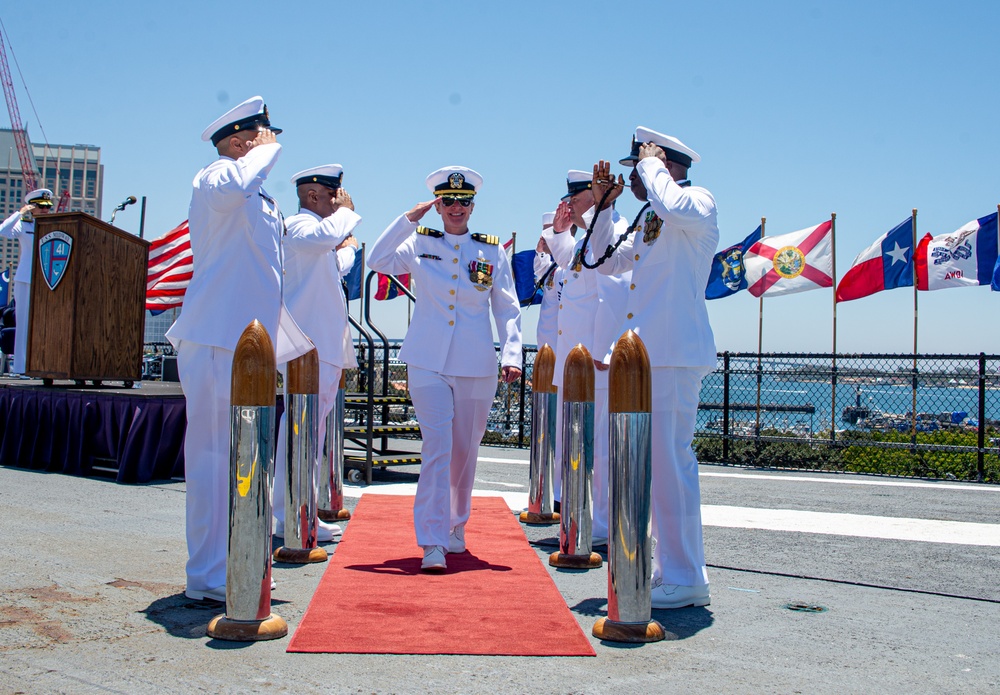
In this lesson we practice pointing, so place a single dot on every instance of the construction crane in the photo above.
(20, 137)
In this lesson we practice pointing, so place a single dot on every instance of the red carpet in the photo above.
(496, 598)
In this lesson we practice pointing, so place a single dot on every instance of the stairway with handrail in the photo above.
(375, 425)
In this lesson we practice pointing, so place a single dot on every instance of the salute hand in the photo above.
(419, 210)
(603, 182)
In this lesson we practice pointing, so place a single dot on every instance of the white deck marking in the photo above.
(790, 520)
(857, 525)
(881, 482)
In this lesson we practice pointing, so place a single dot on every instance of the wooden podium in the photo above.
(88, 294)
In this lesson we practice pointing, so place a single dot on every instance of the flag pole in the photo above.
(833, 391)
(760, 340)
(913, 418)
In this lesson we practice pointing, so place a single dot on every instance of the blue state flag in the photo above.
(728, 274)
(522, 266)
(352, 281)
(5, 287)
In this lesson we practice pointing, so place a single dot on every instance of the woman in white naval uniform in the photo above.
(21, 226)
(452, 365)
(670, 256)
(591, 306)
(316, 257)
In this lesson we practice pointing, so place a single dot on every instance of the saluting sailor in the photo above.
(452, 364)
(21, 226)
(319, 248)
(236, 231)
(547, 272)
(670, 254)
(591, 306)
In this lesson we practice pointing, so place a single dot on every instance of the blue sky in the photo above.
(798, 109)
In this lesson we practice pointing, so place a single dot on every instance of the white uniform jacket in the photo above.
(450, 331)
(670, 256)
(591, 305)
(16, 228)
(314, 293)
(548, 310)
(236, 233)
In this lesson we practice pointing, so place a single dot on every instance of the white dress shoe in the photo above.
(456, 540)
(434, 559)
(666, 596)
(325, 532)
(216, 594)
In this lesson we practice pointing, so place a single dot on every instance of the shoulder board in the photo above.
(486, 239)
(427, 231)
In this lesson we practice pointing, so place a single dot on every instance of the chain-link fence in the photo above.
(934, 416)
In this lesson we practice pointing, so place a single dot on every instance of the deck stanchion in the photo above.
(543, 441)
(577, 464)
(248, 616)
(302, 483)
(331, 478)
(629, 542)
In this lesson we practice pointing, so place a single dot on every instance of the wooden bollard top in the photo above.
(254, 369)
(303, 373)
(544, 370)
(343, 379)
(578, 376)
(629, 381)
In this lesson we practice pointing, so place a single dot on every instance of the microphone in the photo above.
(121, 206)
(128, 201)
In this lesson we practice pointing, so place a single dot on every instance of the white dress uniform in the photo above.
(236, 230)
(315, 297)
(670, 256)
(591, 307)
(548, 311)
(452, 364)
(14, 227)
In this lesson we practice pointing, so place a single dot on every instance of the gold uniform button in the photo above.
(632, 286)
(560, 332)
(451, 291)
(455, 260)
(636, 257)
(451, 306)
(560, 306)
(451, 323)
(630, 315)
(454, 277)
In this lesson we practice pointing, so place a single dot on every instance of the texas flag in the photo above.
(885, 265)
(964, 258)
(790, 263)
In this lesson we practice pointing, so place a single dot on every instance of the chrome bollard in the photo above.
(577, 464)
(302, 448)
(331, 479)
(629, 541)
(248, 614)
(543, 441)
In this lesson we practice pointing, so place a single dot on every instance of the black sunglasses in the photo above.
(448, 201)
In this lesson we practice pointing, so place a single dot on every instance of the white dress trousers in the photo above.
(206, 374)
(16, 228)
